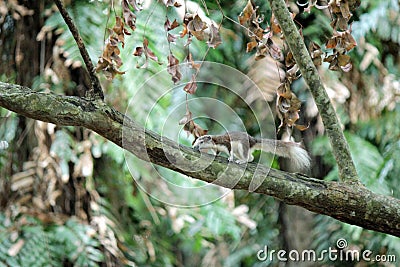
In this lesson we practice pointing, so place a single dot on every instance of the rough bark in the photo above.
(340, 147)
(345, 202)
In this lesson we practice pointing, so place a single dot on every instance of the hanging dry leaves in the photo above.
(215, 38)
(147, 52)
(173, 68)
(316, 53)
(129, 15)
(341, 43)
(259, 38)
(342, 10)
(191, 127)
(191, 86)
(195, 26)
(191, 62)
(339, 61)
(120, 31)
(170, 26)
(251, 45)
(171, 38)
(110, 61)
(276, 29)
(247, 13)
(288, 107)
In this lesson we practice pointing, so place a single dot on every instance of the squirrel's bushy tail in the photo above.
(291, 150)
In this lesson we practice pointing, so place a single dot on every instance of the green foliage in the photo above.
(385, 133)
(25, 241)
(89, 17)
(368, 160)
(76, 244)
(381, 19)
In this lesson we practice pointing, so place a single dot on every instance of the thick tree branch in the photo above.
(340, 147)
(95, 91)
(347, 203)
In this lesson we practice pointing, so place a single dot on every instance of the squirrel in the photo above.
(241, 145)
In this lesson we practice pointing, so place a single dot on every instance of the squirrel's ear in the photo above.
(207, 137)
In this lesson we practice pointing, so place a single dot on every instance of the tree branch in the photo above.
(95, 91)
(340, 147)
(347, 203)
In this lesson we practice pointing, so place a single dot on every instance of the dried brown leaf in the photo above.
(173, 3)
(120, 31)
(247, 13)
(173, 68)
(110, 72)
(289, 60)
(138, 51)
(101, 64)
(196, 27)
(152, 56)
(262, 51)
(191, 127)
(186, 118)
(276, 29)
(344, 9)
(316, 53)
(192, 64)
(301, 127)
(250, 46)
(191, 86)
(184, 31)
(171, 38)
(215, 38)
(198, 24)
(343, 60)
(129, 16)
(148, 53)
(284, 90)
(349, 41)
(332, 42)
(170, 26)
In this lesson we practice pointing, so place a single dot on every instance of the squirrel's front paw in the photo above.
(241, 161)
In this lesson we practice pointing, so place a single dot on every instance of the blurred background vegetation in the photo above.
(67, 198)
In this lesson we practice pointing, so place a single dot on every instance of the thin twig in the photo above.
(95, 90)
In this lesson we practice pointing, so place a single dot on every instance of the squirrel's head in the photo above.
(204, 142)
